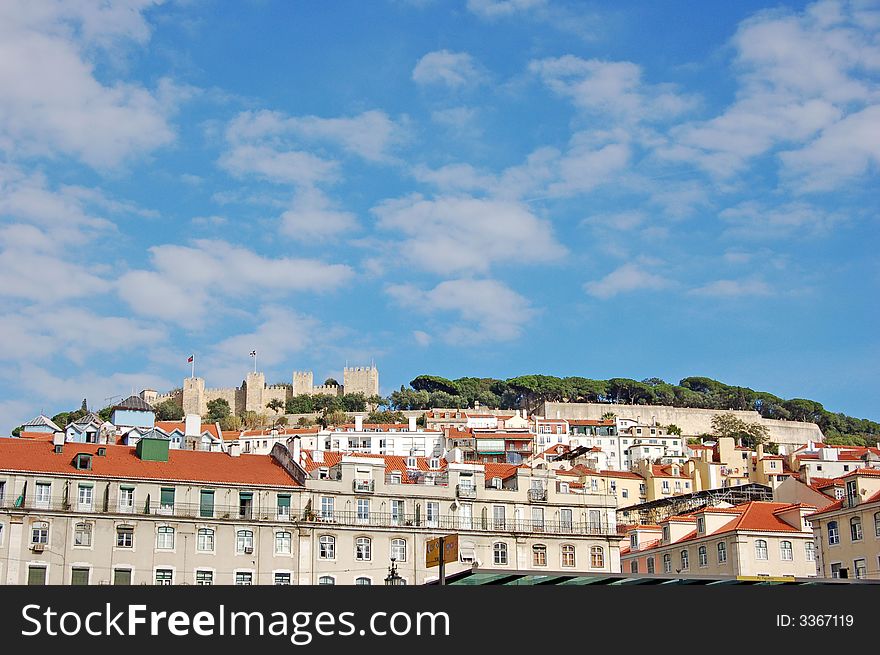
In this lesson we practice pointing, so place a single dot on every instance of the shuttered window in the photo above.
(167, 498)
(36, 575)
(122, 576)
(206, 504)
(79, 577)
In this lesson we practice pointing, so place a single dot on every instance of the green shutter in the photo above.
(284, 501)
(122, 576)
(245, 495)
(167, 497)
(79, 577)
(37, 575)
(206, 504)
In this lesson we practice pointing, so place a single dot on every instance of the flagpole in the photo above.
(193, 369)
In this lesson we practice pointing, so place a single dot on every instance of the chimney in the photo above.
(358, 423)
(58, 441)
(297, 449)
(759, 451)
(412, 423)
(192, 426)
(234, 450)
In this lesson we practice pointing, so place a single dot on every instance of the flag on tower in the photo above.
(253, 353)
(191, 359)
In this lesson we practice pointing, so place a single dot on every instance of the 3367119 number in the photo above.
(826, 620)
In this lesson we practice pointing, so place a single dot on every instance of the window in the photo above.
(40, 533)
(122, 576)
(205, 540)
(538, 519)
(43, 494)
(398, 549)
(244, 578)
(835, 569)
(703, 556)
(244, 541)
(665, 533)
(363, 549)
(567, 555)
(810, 551)
(283, 507)
(499, 551)
(597, 557)
(634, 566)
(283, 543)
(642, 488)
(204, 578)
(684, 556)
(125, 536)
(363, 510)
(701, 524)
(565, 520)
(667, 563)
(326, 579)
(722, 552)
(327, 507)
(760, 549)
(84, 497)
(282, 579)
(624, 493)
(126, 499)
(362, 581)
(498, 516)
(876, 522)
(2, 491)
(650, 563)
(665, 486)
(833, 533)
(398, 511)
(785, 551)
(465, 516)
(245, 505)
(327, 547)
(206, 504)
(164, 576)
(860, 568)
(165, 538)
(82, 534)
(432, 514)
(539, 555)
(166, 500)
(36, 575)
(855, 528)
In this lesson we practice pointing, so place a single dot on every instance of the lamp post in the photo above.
(393, 578)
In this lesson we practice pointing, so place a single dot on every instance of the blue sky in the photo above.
(473, 187)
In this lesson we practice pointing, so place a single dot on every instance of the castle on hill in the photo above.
(254, 394)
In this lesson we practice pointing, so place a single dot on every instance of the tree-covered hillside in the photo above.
(529, 391)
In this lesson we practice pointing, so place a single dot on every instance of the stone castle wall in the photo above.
(692, 421)
(361, 379)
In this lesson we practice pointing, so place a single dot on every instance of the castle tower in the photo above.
(303, 382)
(253, 387)
(194, 396)
(361, 379)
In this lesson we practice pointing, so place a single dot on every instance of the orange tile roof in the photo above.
(758, 516)
(665, 471)
(180, 426)
(36, 436)
(121, 462)
(580, 421)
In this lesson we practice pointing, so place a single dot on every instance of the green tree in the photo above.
(276, 404)
(331, 382)
(304, 422)
(218, 409)
(280, 421)
(607, 416)
(333, 417)
(672, 428)
(168, 410)
(386, 417)
(300, 404)
(354, 402)
(104, 414)
(230, 422)
(17, 431)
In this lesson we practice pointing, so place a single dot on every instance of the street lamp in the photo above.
(393, 578)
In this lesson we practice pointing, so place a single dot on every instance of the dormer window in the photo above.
(434, 463)
(701, 524)
(83, 461)
(496, 483)
(323, 473)
(411, 462)
(666, 533)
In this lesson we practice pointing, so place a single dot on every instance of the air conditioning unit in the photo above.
(38, 548)
(248, 550)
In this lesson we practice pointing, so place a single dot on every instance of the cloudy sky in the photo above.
(462, 187)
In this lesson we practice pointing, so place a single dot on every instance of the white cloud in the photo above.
(422, 338)
(455, 234)
(626, 279)
(370, 135)
(497, 8)
(732, 289)
(844, 151)
(52, 101)
(612, 88)
(312, 217)
(798, 75)
(451, 69)
(186, 281)
(46, 279)
(37, 335)
(485, 310)
(757, 221)
(284, 166)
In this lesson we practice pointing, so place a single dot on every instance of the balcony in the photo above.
(418, 477)
(538, 495)
(364, 486)
(465, 491)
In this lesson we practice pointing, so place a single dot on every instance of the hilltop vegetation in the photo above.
(530, 391)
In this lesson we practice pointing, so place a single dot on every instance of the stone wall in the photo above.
(692, 421)
(361, 379)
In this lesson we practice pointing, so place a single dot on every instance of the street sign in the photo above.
(450, 550)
